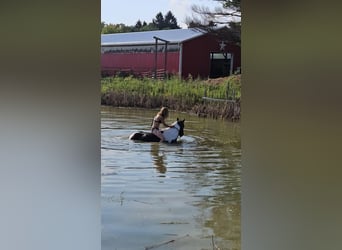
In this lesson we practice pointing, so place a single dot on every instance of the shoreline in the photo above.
(228, 110)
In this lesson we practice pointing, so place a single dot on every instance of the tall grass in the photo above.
(193, 90)
(177, 94)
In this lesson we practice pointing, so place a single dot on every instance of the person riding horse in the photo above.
(170, 134)
(157, 120)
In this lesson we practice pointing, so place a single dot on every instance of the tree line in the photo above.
(160, 22)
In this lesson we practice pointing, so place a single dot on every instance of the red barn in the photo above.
(181, 52)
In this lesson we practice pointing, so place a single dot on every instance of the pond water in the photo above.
(163, 196)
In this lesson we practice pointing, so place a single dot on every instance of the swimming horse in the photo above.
(170, 134)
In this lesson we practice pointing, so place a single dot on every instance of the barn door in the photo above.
(220, 64)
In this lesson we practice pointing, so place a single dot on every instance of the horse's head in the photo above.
(181, 127)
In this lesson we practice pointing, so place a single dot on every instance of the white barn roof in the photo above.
(146, 37)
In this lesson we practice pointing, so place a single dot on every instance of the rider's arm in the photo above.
(166, 125)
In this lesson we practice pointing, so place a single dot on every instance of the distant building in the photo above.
(189, 52)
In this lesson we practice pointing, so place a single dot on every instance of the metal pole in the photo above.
(155, 58)
(165, 60)
(231, 63)
(165, 57)
(180, 59)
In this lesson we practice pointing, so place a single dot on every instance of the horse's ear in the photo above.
(183, 120)
(177, 119)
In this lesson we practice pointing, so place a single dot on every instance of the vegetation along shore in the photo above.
(216, 98)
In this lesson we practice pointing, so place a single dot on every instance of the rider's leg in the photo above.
(159, 134)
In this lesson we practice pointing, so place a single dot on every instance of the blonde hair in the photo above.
(164, 112)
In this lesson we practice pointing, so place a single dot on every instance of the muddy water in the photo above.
(160, 196)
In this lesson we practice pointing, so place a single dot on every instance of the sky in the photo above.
(129, 12)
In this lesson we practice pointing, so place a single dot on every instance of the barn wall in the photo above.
(236, 50)
(196, 55)
(138, 62)
(196, 58)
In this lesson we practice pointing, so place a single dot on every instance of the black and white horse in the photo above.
(170, 134)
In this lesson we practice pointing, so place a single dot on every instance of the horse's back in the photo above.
(135, 136)
(143, 136)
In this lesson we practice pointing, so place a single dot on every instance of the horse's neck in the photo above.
(170, 134)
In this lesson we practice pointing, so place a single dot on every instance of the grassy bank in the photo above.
(176, 94)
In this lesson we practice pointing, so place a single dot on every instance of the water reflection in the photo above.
(158, 158)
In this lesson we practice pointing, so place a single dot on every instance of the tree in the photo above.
(115, 28)
(234, 5)
(171, 21)
(168, 21)
(159, 21)
(227, 16)
(102, 25)
(148, 27)
(229, 12)
(138, 25)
